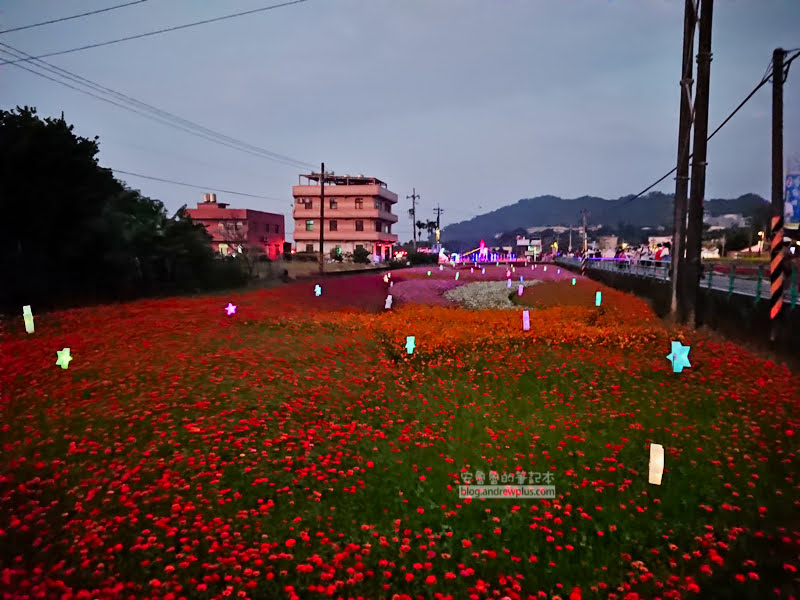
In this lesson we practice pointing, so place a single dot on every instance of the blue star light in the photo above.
(679, 357)
(410, 344)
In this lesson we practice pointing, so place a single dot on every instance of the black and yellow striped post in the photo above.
(583, 264)
(776, 275)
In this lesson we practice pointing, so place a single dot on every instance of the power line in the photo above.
(86, 14)
(167, 118)
(762, 83)
(142, 35)
(199, 187)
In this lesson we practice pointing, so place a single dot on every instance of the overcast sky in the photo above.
(475, 103)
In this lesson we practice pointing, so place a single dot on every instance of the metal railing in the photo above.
(730, 282)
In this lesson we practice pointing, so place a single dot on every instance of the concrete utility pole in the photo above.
(413, 214)
(438, 212)
(570, 239)
(585, 246)
(776, 244)
(322, 220)
(694, 230)
(682, 174)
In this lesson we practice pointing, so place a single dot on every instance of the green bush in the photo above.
(423, 258)
(361, 255)
(336, 254)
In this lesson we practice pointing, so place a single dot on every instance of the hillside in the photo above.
(652, 210)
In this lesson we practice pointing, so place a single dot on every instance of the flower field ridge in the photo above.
(296, 449)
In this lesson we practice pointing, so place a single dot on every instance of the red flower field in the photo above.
(295, 449)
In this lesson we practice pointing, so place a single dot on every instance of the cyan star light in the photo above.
(429, 273)
(573, 281)
(410, 344)
(679, 357)
(63, 358)
(230, 309)
(598, 298)
(456, 275)
(317, 289)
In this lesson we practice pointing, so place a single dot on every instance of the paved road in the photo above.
(747, 287)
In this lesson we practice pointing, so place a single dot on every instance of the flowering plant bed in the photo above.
(295, 449)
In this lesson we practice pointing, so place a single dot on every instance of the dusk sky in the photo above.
(475, 103)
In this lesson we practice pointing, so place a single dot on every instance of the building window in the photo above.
(277, 228)
(223, 249)
(359, 246)
(377, 204)
(359, 203)
(334, 204)
(378, 226)
(309, 247)
(239, 226)
(221, 226)
(309, 225)
(359, 225)
(305, 203)
(333, 225)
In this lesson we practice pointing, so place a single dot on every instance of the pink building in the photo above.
(233, 228)
(358, 213)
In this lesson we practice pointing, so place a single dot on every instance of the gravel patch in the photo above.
(481, 295)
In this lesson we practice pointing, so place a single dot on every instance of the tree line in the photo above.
(76, 235)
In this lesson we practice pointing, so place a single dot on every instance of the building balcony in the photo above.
(341, 191)
(345, 236)
(341, 213)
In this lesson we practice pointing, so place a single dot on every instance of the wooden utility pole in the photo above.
(694, 231)
(413, 214)
(776, 244)
(682, 174)
(322, 220)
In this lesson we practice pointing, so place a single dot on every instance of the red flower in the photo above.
(575, 594)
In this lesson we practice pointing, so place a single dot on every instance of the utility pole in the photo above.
(413, 214)
(682, 175)
(322, 220)
(585, 246)
(438, 212)
(570, 239)
(694, 230)
(776, 245)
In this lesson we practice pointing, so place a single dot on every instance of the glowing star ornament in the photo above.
(456, 276)
(388, 302)
(429, 273)
(410, 344)
(230, 309)
(471, 269)
(679, 357)
(483, 271)
(520, 278)
(598, 298)
(526, 320)
(27, 315)
(656, 463)
(385, 279)
(391, 284)
(519, 292)
(558, 271)
(513, 269)
(317, 289)
(441, 267)
(508, 273)
(573, 281)
(63, 358)
(508, 285)
(545, 268)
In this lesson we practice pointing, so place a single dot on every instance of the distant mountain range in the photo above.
(652, 210)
